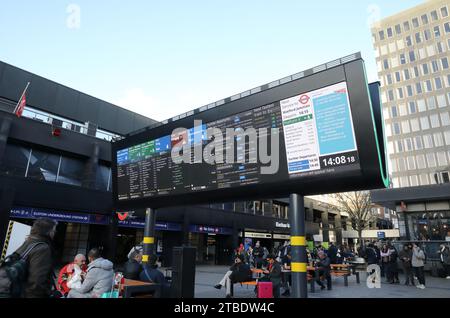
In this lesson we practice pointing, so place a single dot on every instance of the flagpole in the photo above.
(24, 91)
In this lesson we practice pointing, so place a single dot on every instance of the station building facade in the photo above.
(55, 161)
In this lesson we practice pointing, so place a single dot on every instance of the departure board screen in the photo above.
(308, 134)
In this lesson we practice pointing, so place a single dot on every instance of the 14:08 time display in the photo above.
(338, 160)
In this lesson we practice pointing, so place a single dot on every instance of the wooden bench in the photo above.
(341, 273)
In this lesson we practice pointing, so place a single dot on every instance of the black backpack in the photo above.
(13, 273)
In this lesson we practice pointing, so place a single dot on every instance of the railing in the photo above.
(44, 117)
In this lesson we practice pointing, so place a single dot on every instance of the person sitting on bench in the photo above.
(239, 272)
(323, 265)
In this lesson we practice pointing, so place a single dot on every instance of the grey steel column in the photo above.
(325, 230)
(149, 234)
(298, 246)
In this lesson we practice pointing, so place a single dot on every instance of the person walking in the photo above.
(444, 257)
(405, 257)
(40, 260)
(418, 263)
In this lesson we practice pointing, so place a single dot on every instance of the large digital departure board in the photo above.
(298, 138)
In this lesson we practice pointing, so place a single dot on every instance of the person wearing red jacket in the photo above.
(68, 273)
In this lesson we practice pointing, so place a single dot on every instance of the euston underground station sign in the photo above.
(316, 133)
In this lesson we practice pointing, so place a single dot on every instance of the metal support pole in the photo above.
(149, 234)
(298, 246)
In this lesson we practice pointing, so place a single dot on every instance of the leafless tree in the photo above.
(358, 206)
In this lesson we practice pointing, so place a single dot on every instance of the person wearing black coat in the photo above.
(133, 267)
(238, 272)
(323, 266)
(371, 254)
(332, 253)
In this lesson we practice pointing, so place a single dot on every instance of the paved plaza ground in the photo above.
(208, 276)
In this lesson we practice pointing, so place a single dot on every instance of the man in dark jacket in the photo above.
(273, 274)
(258, 253)
(40, 259)
(406, 256)
(133, 267)
(332, 253)
(150, 273)
(323, 266)
(371, 254)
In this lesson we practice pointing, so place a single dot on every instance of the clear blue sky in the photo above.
(162, 58)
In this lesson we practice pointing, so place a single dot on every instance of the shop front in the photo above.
(213, 243)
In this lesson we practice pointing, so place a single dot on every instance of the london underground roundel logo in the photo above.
(304, 99)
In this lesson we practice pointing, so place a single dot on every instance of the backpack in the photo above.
(13, 273)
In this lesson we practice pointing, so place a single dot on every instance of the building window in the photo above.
(415, 22)
(435, 67)
(411, 163)
(400, 93)
(447, 137)
(389, 79)
(412, 108)
(441, 101)
(385, 64)
(43, 166)
(415, 124)
(421, 162)
(418, 142)
(424, 123)
(405, 127)
(434, 15)
(437, 31)
(421, 105)
(440, 47)
(445, 119)
(427, 34)
(444, 62)
(438, 140)
(438, 83)
(444, 12)
(428, 86)
(398, 77)
(389, 32)
(441, 158)
(409, 90)
(425, 69)
(418, 38)
(416, 71)
(428, 141)
(409, 145)
(398, 29)
(396, 128)
(103, 178)
(408, 41)
(412, 56)
(447, 27)
(424, 19)
(399, 146)
(71, 171)
(394, 111)
(431, 103)
(391, 95)
(431, 160)
(402, 59)
(15, 160)
(406, 26)
(381, 35)
(419, 88)
(406, 74)
(434, 121)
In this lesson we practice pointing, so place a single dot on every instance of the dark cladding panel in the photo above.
(87, 109)
(41, 95)
(67, 102)
(124, 121)
(106, 116)
(13, 82)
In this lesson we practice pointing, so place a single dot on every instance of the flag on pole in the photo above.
(22, 102)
